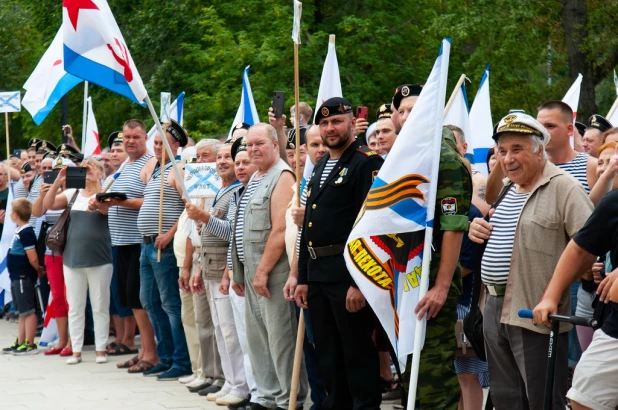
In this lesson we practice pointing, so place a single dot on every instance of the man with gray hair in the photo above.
(261, 268)
(542, 208)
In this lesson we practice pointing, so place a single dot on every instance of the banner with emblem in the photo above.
(202, 180)
(385, 251)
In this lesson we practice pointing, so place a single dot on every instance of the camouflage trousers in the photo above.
(438, 388)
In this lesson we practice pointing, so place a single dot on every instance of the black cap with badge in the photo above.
(404, 91)
(176, 131)
(292, 137)
(581, 127)
(114, 138)
(238, 146)
(385, 111)
(600, 123)
(333, 106)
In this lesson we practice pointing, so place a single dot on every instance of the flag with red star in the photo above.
(95, 50)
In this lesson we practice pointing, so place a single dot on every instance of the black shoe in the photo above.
(255, 406)
(211, 389)
(202, 386)
(242, 405)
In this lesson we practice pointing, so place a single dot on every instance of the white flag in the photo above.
(298, 10)
(386, 248)
(458, 114)
(572, 96)
(92, 145)
(247, 112)
(481, 125)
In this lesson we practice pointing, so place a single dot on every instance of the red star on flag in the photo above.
(73, 7)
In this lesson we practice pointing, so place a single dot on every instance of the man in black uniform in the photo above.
(342, 322)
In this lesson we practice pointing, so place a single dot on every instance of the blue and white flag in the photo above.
(8, 232)
(48, 82)
(481, 125)
(458, 114)
(385, 250)
(95, 50)
(174, 112)
(247, 112)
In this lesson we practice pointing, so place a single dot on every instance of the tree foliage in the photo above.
(202, 46)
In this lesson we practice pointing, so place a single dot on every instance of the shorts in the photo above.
(595, 382)
(24, 296)
(128, 276)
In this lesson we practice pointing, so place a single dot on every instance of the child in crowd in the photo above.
(23, 267)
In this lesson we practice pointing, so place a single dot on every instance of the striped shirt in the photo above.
(19, 190)
(148, 217)
(223, 227)
(330, 164)
(577, 168)
(240, 222)
(35, 191)
(496, 261)
(122, 221)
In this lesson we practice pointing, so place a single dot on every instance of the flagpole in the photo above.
(452, 99)
(85, 115)
(8, 152)
(613, 109)
(162, 175)
(300, 334)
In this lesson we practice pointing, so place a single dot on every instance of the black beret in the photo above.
(114, 138)
(581, 127)
(406, 90)
(242, 125)
(385, 111)
(292, 137)
(600, 123)
(331, 107)
(177, 132)
(238, 146)
(25, 167)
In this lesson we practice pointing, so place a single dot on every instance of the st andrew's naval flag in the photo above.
(385, 250)
(95, 50)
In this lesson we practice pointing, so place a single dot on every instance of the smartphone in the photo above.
(65, 135)
(278, 101)
(362, 112)
(76, 178)
(3, 204)
(49, 177)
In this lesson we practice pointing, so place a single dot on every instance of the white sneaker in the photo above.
(101, 359)
(187, 379)
(229, 399)
(74, 360)
(198, 381)
(216, 396)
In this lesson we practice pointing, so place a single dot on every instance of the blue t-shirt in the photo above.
(17, 261)
(467, 259)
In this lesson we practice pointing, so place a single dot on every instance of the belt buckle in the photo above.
(492, 290)
(312, 253)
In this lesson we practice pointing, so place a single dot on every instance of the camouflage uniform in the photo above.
(438, 387)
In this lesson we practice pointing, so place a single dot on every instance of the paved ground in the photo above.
(47, 382)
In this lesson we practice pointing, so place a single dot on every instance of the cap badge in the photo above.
(510, 118)
(405, 91)
(325, 111)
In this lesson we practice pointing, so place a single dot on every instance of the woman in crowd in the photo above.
(55, 272)
(87, 259)
(491, 159)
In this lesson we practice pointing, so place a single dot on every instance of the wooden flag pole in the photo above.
(84, 116)
(162, 165)
(300, 335)
(452, 99)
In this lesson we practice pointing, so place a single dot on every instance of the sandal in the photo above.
(128, 363)
(120, 350)
(141, 367)
(110, 346)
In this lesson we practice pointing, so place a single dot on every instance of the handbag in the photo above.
(473, 322)
(56, 238)
(601, 310)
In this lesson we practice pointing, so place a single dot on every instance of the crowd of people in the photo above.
(215, 286)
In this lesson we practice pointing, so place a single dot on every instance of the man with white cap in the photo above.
(542, 209)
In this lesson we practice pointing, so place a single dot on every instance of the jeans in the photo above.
(159, 295)
(115, 308)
